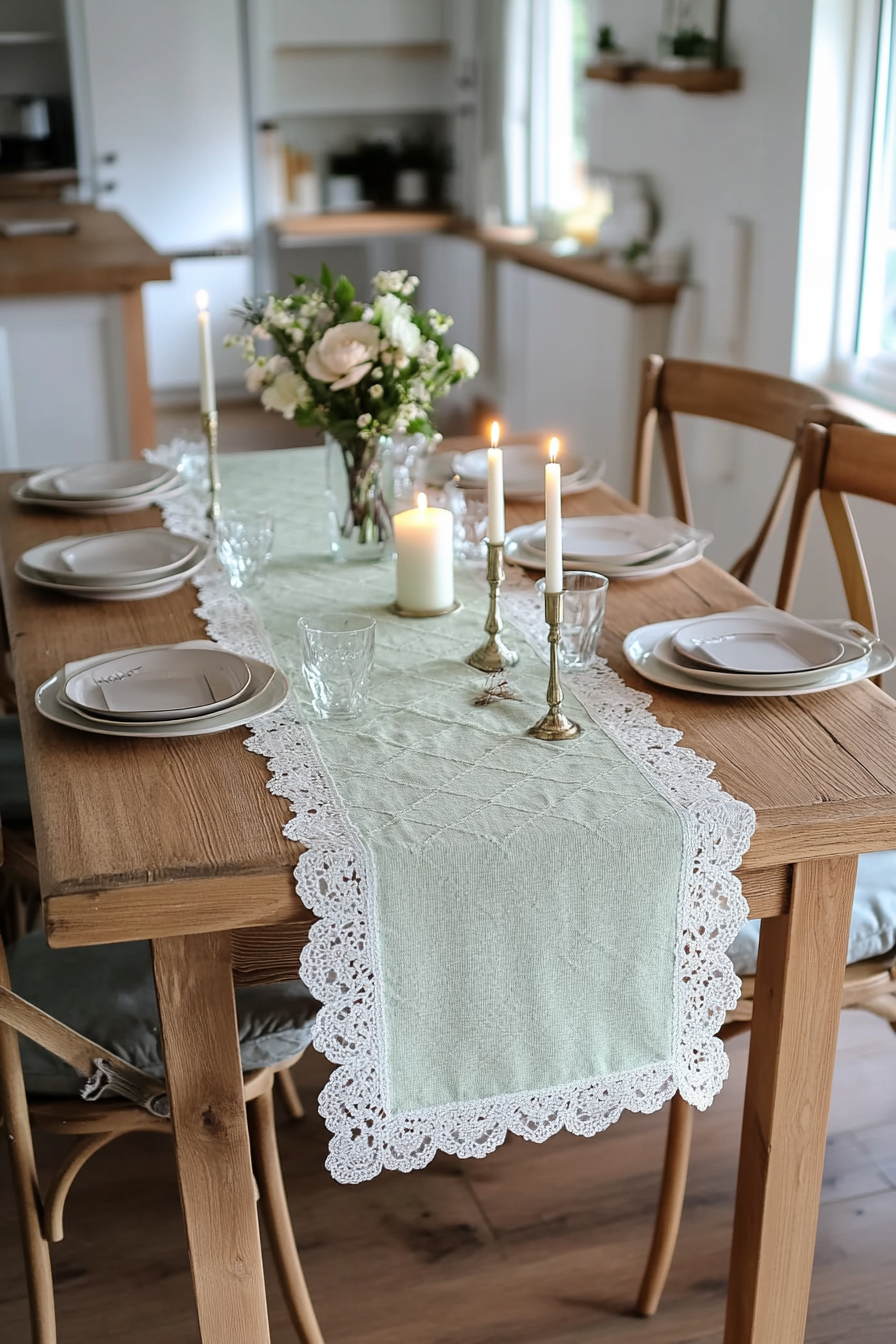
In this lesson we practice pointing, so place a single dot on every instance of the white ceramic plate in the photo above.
(620, 539)
(691, 546)
(757, 640)
(160, 684)
(264, 694)
(144, 554)
(22, 495)
(639, 647)
(124, 592)
(101, 480)
(524, 465)
(855, 650)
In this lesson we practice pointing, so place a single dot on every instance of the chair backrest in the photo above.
(840, 460)
(761, 401)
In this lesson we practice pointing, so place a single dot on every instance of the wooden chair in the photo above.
(833, 462)
(671, 387)
(93, 1125)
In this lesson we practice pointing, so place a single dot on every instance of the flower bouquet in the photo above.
(361, 372)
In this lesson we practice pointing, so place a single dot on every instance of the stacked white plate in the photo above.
(756, 651)
(524, 465)
(621, 546)
(100, 487)
(165, 690)
(114, 566)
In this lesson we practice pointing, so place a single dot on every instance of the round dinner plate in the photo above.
(114, 559)
(126, 592)
(693, 544)
(102, 480)
(613, 538)
(639, 648)
(759, 640)
(264, 694)
(22, 495)
(524, 465)
(162, 684)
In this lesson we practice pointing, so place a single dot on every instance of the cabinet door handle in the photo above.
(111, 157)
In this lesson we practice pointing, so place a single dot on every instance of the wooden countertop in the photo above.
(104, 256)
(294, 230)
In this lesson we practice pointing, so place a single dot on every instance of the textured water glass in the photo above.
(337, 662)
(245, 543)
(190, 452)
(584, 605)
(470, 509)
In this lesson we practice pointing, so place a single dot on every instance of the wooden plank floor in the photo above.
(534, 1245)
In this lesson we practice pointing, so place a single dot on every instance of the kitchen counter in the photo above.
(104, 255)
(72, 303)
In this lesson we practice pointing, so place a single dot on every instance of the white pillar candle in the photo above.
(553, 524)
(495, 489)
(207, 400)
(424, 544)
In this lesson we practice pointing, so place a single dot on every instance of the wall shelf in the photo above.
(692, 80)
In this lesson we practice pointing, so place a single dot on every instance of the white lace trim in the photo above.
(335, 879)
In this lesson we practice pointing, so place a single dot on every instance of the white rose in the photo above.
(344, 354)
(286, 394)
(464, 362)
(257, 375)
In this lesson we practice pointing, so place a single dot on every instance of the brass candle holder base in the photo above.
(494, 655)
(210, 430)
(555, 726)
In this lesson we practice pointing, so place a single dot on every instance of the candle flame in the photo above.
(421, 501)
(495, 434)
(202, 300)
(554, 448)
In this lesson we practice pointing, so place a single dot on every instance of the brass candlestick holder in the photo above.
(555, 726)
(210, 429)
(494, 655)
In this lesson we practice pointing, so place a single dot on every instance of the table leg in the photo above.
(199, 1034)
(796, 1015)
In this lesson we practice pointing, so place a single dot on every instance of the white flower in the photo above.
(464, 362)
(401, 362)
(278, 364)
(364, 420)
(257, 375)
(368, 314)
(385, 282)
(429, 353)
(410, 285)
(386, 357)
(376, 373)
(375, 392)
(439, 322)
(261, 333)
(286, 394)
(344, 354)
(418, 390)
(395, 319)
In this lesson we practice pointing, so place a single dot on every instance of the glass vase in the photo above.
(359, 499)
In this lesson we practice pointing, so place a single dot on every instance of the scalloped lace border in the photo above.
(335, 879)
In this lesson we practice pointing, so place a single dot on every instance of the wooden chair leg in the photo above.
(668, 1214)
(266, 1160)
(289, 1095)
(14, 1107)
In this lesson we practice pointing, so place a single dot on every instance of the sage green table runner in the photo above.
(513, 934)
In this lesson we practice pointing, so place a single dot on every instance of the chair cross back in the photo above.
(760, 401)
(842, 459)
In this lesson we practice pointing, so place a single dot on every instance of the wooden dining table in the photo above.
(179, 842)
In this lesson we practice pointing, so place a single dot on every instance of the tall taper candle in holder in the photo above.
(208, 405)
(555, 726)
(494, 655)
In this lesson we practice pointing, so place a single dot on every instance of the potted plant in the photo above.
(361, 372)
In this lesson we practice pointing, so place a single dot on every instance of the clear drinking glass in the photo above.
(337, 660)
(470, 509)
(190, 452)
(584, 605)
(245, 543)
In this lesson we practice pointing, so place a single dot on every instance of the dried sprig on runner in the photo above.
(496, 688)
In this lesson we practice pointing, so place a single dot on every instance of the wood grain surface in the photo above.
(137, 838)
(104, 255)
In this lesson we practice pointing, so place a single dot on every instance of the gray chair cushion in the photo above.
(108, 994)
(873, 928)
(14, 805)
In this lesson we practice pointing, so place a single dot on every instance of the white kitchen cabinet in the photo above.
(62, 381)
(350, 22)
(570, 363)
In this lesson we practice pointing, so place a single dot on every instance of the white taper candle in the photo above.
(553, 524)
(207, 400)
(495, 489)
